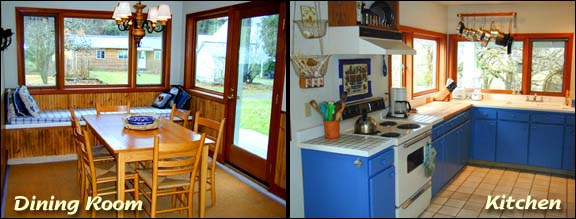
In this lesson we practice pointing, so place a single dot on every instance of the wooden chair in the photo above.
(180, 114)
(113, 108)
(219, 127)
(100, 153)
(173, 171)
(97, 173)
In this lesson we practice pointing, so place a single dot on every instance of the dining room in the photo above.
(143, 109)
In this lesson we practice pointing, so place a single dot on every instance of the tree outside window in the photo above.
(425, 64)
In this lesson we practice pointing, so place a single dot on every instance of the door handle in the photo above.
(231, 96)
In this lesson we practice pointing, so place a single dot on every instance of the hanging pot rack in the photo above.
(488, 35)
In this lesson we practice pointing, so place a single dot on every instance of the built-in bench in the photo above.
(47, 137)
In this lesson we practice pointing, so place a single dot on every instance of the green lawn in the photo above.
(256, 114)
(122, 77)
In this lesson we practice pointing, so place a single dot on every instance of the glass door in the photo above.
(252, 91)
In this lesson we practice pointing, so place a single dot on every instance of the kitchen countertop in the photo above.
(521, 105)
(364, 146)
(442, 110)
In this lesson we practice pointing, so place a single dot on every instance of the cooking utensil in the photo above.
(323, 110)
(365, 124)
(315, 106)
(339, 113)
(330, 111)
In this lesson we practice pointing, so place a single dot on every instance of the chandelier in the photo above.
(125, 20)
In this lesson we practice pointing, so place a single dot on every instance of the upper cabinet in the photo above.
(376, 14)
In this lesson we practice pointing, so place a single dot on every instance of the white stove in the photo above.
(413, 188)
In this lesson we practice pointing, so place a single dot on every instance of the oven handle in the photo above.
(416, 139)
(409, 202)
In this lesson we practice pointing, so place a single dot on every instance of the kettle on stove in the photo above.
(365, 124)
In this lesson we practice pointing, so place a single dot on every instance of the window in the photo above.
(157, 55)
(489, 67)
(77, 58)
(425, 69)
(100, 54)
(547, 69)
(122, 54)
(419, 73)
(536, 65)
(210, 50)
(39, 51)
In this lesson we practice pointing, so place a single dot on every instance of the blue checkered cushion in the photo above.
(63, 115)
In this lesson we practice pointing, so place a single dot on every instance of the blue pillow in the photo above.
(162, 100)
(29, 102)
(183, 99)
(19, 104)
(174, 91)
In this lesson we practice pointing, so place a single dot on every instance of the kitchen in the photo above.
(483, 133)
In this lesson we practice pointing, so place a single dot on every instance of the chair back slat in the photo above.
(176, 158)
(200, 122)
(184, 115)
(113, 108)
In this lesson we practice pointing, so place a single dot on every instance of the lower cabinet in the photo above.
(511, 142)
(483, 140)
(545, 145)
(451, 154)
(568, 161)
(335, 186)
(438, 179)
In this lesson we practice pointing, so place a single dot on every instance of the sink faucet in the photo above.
(535, 96)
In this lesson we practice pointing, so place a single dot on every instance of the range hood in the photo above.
(365, 41)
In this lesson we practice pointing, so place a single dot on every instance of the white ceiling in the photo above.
(460, 3)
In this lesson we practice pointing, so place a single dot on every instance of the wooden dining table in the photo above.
(129, 145)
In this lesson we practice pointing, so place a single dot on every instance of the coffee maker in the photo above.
(399, 106)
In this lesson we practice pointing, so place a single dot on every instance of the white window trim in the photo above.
(103, 52)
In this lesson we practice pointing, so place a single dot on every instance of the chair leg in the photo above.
(136, 194)
(153, 205)
(213, 190)
(190, 206)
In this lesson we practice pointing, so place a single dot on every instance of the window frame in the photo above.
(156, 58)
(527, 39)
(190, 52)
(61, 87)
(103, 53)
(409, 33)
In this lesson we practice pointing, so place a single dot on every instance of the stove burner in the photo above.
(408, 126)
(388, 123)
(390, 134)
(373, 133)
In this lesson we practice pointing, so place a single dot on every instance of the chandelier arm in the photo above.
(146, 25)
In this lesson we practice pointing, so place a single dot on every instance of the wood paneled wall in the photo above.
(280, 173)
(88, 100)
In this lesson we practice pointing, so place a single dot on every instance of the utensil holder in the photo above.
(331, 129)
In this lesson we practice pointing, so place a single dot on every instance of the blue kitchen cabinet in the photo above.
(545, 145)
(465, 138)
(339, 185)
(483, 140)
(512, 142)
(438, 177)
(568, 161)
(452, 153)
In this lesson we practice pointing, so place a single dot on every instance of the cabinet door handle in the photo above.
(384, 161)
(358, 163)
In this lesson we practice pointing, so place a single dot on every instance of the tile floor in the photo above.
(465, 195)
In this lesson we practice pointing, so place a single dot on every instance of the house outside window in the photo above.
(100, 54)
(157, 55)
(122, 54)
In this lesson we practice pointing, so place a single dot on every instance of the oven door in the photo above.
(410, 173)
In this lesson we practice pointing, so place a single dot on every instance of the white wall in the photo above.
(196, 6)
(9, 21)
(424, 15)
(548, 17)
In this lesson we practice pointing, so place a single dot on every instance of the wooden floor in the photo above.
(234, 198)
